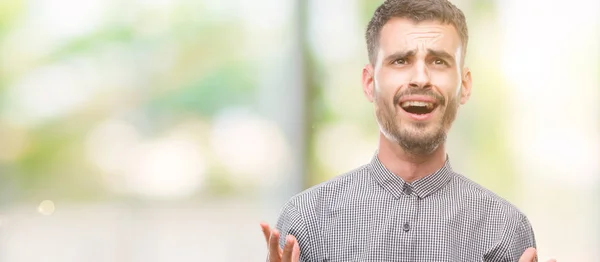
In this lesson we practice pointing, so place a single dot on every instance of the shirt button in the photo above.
(407, 190)
(406, 227)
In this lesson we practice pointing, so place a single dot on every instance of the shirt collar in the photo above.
(422, 187)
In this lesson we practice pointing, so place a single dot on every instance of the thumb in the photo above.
(296, 253)
(530, 255)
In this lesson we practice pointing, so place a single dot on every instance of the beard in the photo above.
(416, 139)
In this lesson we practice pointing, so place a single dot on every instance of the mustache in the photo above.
(440, 100)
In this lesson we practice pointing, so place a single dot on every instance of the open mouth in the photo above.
(418, 107)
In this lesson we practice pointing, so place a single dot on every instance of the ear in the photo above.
(465, 86)
(368, 82)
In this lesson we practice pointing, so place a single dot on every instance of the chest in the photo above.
(407, 229)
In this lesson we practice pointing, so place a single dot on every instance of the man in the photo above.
(407, 204)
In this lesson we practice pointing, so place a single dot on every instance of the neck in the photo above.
(409, 167)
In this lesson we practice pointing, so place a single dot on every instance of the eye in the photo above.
(400, 61)
(439, 62)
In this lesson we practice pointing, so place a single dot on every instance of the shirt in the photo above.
(370, 214)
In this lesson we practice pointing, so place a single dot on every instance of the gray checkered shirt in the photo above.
(370, 214)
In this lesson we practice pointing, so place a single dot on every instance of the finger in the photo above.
(296, 253)
(530, 255)
(266, 229)
(288, 248)
(274, 252)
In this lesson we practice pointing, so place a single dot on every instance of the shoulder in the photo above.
(327, 192)
(299, 216)
(482, 199)
(509, 229)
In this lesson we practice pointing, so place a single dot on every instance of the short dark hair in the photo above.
(417, 11)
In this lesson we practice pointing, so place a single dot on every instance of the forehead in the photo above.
(402, 34)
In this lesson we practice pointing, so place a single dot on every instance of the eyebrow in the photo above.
(430, 52)
(400, 54)
(441, 54)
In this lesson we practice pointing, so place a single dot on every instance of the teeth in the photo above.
(417, 103)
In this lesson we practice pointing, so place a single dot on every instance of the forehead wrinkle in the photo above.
(398, 35)
(423, 38)
(426, 35)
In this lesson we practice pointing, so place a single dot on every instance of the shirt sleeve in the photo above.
(291, 222)
(515, 242)
(523, 239)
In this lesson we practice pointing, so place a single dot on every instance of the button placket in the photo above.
(406, 227)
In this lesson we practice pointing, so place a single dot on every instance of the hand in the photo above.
(291, 249)
(530, 255)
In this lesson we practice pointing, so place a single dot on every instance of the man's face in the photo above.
(417, 83)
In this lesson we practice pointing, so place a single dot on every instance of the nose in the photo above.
(420, 77)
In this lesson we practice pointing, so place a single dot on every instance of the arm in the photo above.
(291, 222)
(523, 238)
(517, 238)
(523, 246)
(291, 235)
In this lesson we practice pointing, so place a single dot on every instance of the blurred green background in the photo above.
(166, 130)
